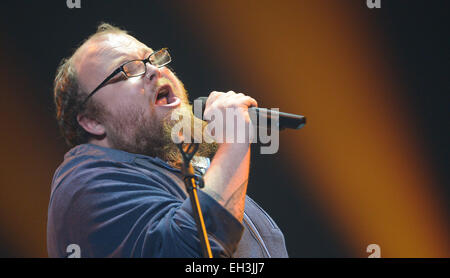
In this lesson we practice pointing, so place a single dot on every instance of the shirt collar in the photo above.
(198, 162)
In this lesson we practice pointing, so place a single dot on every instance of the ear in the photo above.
(90, 125)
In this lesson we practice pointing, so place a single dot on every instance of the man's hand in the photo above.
(231, 120)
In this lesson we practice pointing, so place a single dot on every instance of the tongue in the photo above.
(161, 101)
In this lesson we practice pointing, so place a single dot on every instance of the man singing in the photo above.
(119, 191)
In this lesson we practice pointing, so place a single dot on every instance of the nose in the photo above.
(152, 72)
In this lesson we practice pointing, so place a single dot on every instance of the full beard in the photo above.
(133, 130)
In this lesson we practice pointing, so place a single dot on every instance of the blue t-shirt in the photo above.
(112, 203)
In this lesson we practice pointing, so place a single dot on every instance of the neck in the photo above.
(102, 142)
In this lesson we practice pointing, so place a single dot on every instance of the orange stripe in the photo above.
(323, 59)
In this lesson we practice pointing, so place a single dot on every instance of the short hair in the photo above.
(69, 95)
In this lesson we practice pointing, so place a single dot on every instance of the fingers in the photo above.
(231, 99)
(247, 101)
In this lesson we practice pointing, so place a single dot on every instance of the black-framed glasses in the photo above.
(133, 68)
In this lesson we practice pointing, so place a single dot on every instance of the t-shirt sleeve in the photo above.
(115, 211)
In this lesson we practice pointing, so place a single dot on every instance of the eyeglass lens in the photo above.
(158, 59)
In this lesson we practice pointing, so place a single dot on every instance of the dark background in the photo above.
(36, 35)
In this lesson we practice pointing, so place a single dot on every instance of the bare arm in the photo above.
(227, 178)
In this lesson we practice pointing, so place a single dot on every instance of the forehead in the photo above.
(115, 49)
(101, 55)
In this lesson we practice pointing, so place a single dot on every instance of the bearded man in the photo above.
(119, 191)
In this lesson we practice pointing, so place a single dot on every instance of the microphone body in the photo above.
(285, 120)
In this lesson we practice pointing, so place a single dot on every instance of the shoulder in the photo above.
(87, 168)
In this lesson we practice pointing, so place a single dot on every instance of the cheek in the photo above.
(132, 95)
(123, 93)
(132, 87)
(128, 106)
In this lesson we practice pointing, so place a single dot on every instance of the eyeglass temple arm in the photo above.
(102, 84)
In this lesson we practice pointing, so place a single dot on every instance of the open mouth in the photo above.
(166, 97)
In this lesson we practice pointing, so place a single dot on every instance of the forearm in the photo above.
(227, 178)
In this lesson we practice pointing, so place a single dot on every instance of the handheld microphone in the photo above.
(285, 120)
